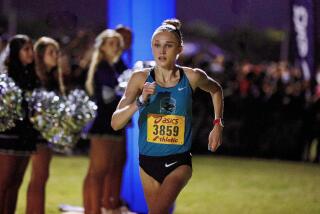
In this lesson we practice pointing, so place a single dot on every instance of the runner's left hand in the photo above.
(215, 138)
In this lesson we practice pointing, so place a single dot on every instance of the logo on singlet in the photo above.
(180, 89)
(167, 105)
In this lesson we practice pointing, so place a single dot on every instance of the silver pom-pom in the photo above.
(79, 111)
(123, 80)
(60, 119)
(10, 103)
(46, 110)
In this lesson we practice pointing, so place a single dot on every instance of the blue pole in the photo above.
(143, 17)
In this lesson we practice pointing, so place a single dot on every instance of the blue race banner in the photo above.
(302, 40)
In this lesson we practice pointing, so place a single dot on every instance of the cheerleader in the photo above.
(46, 52)
(18, 143)
(107, 150)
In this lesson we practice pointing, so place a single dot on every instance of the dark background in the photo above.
(220, 14)
(255, 32)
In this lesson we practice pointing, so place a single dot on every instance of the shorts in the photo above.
(19, 140)
(159, 167)
(101, 125)
(14, 146)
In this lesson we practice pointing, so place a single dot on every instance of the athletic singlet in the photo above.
(165, 122)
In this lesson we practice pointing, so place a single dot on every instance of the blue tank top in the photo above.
(165, 123)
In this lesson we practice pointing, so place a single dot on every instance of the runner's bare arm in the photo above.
(127, 105)
(200, 79)
(209, 85)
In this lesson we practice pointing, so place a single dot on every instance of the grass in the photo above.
(64, 185)
(220, 185)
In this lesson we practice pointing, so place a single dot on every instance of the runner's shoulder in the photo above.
(141, 74)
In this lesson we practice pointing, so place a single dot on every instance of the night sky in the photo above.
(220, 14)
(224, 14)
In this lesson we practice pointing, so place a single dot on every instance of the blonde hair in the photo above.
(170, 25)
(41, 69)
(97, 56)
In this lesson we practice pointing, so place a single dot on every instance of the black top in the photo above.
(120, 66)
(105, 81)
(22, 138)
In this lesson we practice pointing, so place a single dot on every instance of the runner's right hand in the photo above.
(148, 90)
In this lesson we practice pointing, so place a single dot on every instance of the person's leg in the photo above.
(12, 193)
(160, 198)
(150, 188)
(12, 170)
(318, 151)
(113, 180)
(39, 177)
(98, 168)
(85, 193)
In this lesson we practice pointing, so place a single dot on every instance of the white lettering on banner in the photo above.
(300, 20)
(305, 70)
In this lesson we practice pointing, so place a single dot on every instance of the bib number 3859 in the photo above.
(165, 129)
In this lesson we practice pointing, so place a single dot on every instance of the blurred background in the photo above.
(272, 107)
(264, 53)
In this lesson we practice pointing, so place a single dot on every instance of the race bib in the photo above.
(165, 129)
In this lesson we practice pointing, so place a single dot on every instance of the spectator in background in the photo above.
(3, 43)
(17, 143)
(76, 58)
(114, 178)
(127, 36)
(46, 60)
(107, 146)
